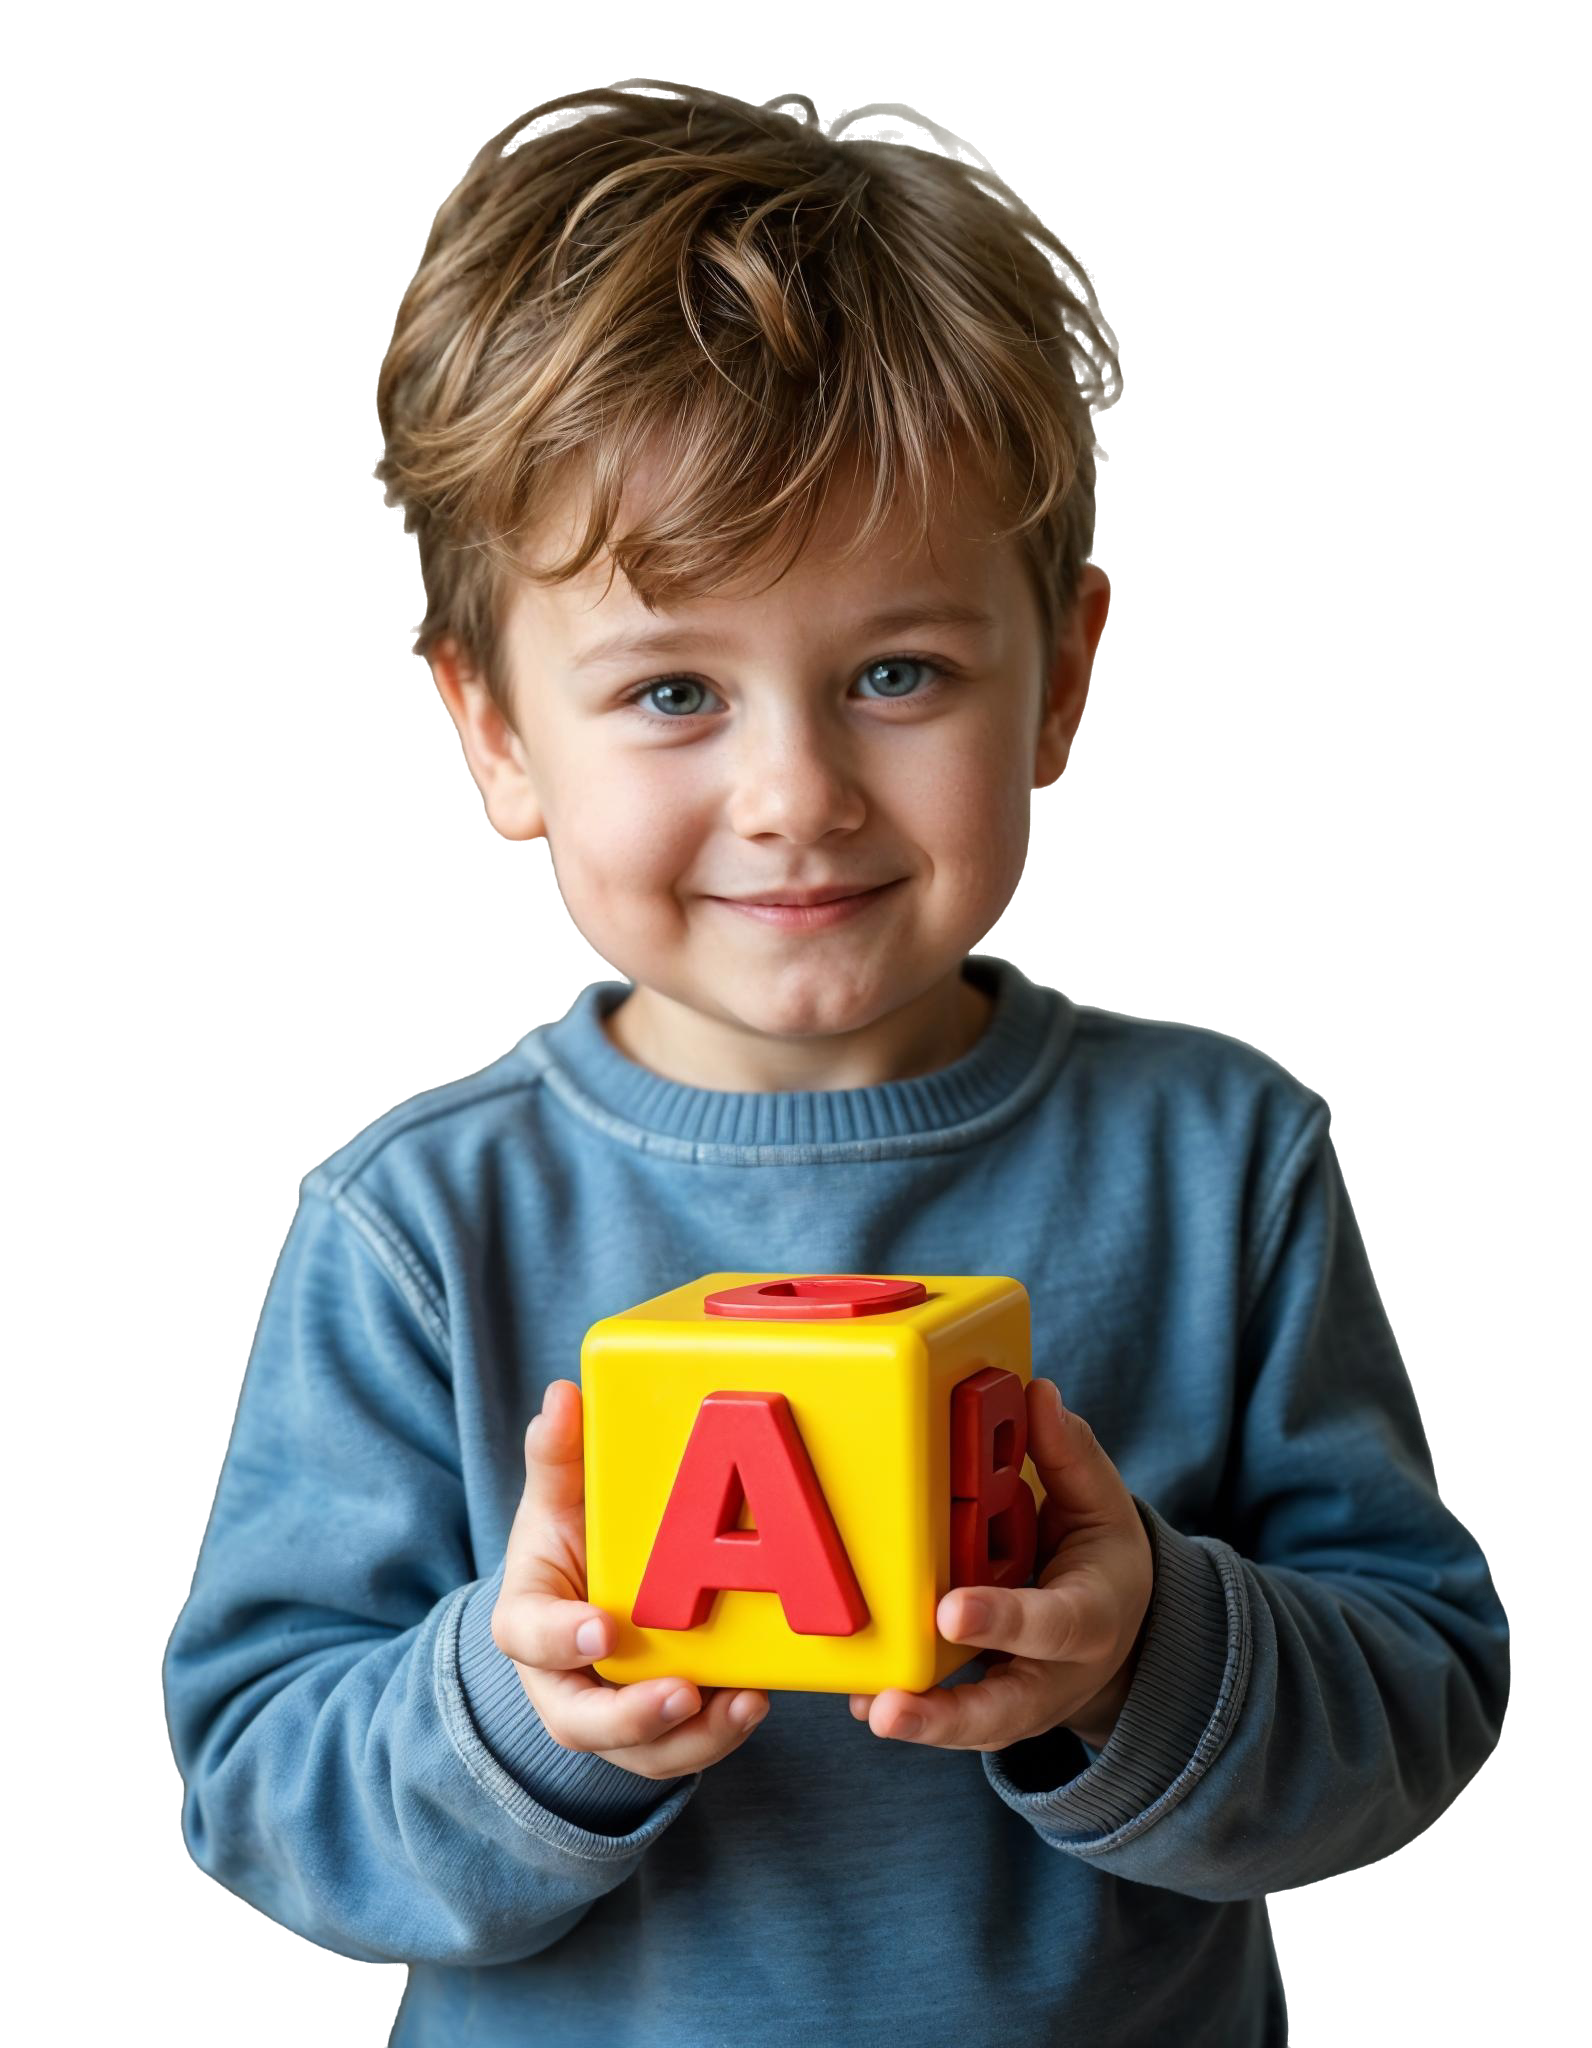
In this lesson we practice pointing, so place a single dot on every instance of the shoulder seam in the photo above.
(1274, 1209)
(392, 1251)
(406, 1117)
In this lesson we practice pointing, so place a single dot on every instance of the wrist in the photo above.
(1095, 1720)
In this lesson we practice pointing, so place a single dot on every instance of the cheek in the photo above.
(981, 844)
(629, 833)
(974, 804)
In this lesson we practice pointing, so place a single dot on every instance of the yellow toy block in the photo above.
(785, 1473)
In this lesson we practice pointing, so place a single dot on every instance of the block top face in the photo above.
(814, 1297)
(846, 1305)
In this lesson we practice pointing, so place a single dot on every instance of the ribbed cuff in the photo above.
(1187, 1688)
(583, 1789)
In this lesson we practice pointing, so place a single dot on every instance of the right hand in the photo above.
(543, 1605)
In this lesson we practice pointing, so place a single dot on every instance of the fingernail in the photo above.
(975, 1618)
(909, 1724)
(589, 1637)
(678, 1705)
(746, 1713)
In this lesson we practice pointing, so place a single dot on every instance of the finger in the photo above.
(555, 1473)
(860, 1703)
(727, 1719)
(1076, 1472)
(1052, 1526)
(1010, 1703)
(582, 1713)
(1068, 1621)
(551, 1634)
(546, 1550)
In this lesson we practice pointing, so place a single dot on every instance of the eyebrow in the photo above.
(895, 618)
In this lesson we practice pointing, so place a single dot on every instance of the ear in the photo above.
(1072, 678)
(493, 750)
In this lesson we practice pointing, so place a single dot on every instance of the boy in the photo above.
(753, 476)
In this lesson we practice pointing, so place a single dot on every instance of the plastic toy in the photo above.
(786, 1473)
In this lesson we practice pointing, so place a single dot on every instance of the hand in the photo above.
(544, 1624)
(1069, 1644)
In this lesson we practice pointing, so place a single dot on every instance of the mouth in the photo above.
(841, 896)
(804, 899)
(812, 914)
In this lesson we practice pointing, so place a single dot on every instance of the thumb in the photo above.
(555, 1452)
(1078, 1477)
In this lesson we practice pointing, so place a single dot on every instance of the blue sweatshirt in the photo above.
(1325, 1662)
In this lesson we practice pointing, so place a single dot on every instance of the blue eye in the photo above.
(676, 685)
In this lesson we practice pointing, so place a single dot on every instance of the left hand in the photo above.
(1071, 1642)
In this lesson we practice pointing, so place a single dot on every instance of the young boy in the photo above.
(753, 476)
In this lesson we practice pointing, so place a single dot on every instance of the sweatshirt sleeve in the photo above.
(1320, 1681)
(358, 1760)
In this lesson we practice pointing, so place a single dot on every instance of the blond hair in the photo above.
(751, 300)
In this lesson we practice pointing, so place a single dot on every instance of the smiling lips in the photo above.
(809, 911)
(827, 892)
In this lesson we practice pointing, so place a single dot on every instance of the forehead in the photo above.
(958, 570)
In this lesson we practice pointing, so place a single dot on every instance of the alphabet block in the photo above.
(786, 1473)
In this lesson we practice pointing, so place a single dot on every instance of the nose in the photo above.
(796, 783)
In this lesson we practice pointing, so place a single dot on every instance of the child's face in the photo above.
(789, 740)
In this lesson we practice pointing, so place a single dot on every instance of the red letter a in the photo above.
(745, 1447)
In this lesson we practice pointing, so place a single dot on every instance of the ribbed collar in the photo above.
(1022, 1044)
